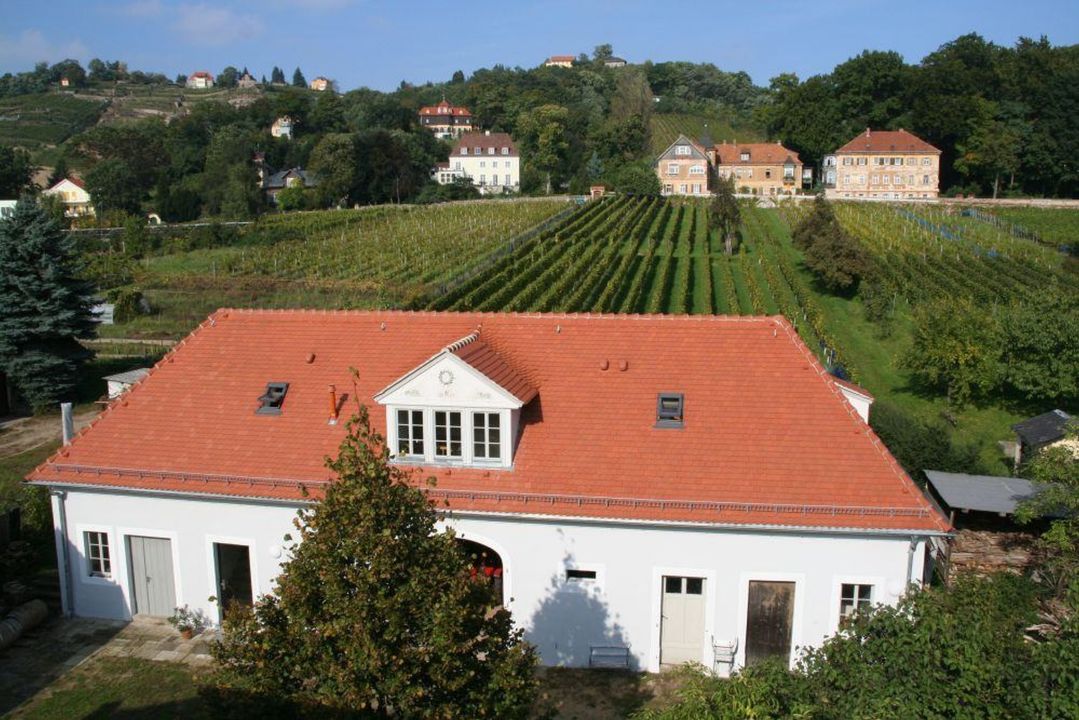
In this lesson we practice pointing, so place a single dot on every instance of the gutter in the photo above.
(67, 601)
(537, 517)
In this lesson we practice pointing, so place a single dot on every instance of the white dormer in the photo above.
(450, 410)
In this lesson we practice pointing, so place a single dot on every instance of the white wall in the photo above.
(621, 608)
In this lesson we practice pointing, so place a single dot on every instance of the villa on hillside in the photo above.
(446, 121)
(490, 161)
(72, 193)
(885, 165)
(200, 80)
(759, 168)
(683, 168)
(565, 61)
(629, 504)
(282, 127)
(321, 84)
(247, 81)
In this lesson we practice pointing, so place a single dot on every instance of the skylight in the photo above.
(669, 410)
(270, 402)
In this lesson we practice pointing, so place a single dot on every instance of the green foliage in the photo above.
(918, 445)
(136, 237)
(294, 198)
(1040, 346)
(16, 172)
(46, 307)
(542, 134)
(637, 179)
(837, 260)
(298, 80)
(724, 214)
(113, 187)
(128, 303)
(762, 692)
(376, 612)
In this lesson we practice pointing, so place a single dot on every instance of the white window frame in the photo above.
(838, 581)
(681, 150)
(447, 458)
(696, 170)
(252, 561)
(672, 168)
(467, 457)
(410, 455)
(927, 161)
(502, 434)
(86, 574)
(744, 157)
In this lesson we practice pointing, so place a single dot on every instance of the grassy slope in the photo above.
(878, 359)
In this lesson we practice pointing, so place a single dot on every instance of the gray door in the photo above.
(151, 575)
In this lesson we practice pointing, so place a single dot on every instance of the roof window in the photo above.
(270, 402)
(669, 410)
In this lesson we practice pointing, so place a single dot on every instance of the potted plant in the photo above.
(189, 622)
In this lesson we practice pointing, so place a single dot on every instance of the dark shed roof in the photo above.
(1045, 428)
(984, 493)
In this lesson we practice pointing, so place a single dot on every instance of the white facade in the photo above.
(489, 173)
(77, 202)
(620, 607)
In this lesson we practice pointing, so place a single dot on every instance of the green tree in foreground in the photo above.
(955, 652)
(46, 307)
(113, 187)
(16, 172)
(376, 614)
(724, 213)
(836, 259)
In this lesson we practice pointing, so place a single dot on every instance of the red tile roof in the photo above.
(768, 437)
(561, 58)
(484, 140)
(202, 74)
(444, 108)
(759, 154)
(480, 356)
(851, 386)
(876, 141)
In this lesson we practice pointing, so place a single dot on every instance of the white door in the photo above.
(151, 575)
(681, 631)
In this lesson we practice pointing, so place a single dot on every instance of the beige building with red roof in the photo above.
(74, 196)
(883, 165)
(759, 168)
(634, 505)
(200, 80)
(565, 61)
(446, 121)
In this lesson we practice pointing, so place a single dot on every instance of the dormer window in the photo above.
(744, 157)
(669, 410)
(486, 436)
(270, 402)
(410, 433)
(681, 150)
(464, 151)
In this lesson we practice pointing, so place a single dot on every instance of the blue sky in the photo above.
(379, 43)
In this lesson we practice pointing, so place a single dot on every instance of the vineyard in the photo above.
(666, 127)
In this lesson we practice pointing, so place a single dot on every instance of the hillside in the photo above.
(666, 127)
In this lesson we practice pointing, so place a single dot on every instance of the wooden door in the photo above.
(769, 620)
(681, 630)
(233, 574)
(151, 575)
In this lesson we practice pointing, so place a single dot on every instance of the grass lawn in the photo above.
(111, 687)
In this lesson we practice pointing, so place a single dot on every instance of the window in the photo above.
(672, 168)
(749, 173)
(744, 157)
(696, 170)
(683, 585)
(483, 163)
(846, 161)
(861, 161)
(270, 402)
(410, 433)
(464, 151)
(925, 179)
(494, 179)
(854, 598)
(505, 151)
(483, 179)
(912, 161)
(669, 410)
(683, 188)
(457, 165)
(927, 161)
(768, 174)
(874, 180)
(490, 151)
(486, 436)
(447, 435)
(681, 150)
(97, 554)
(788, 171)
(887, 179)
(580, 576)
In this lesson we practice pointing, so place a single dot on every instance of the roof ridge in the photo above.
(225, 311)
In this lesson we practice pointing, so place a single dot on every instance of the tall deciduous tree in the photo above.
(376, 611)
(724, 213)
(113, 185)
(543, 135)
(46, 307)
(16, 172)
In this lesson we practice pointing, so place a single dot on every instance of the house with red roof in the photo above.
(683, 168)
(565, 61)
(643, 490)
(759, 168)
(200, 80)
(446, 121)
(490, 161)
(883, 165)
(74, 196)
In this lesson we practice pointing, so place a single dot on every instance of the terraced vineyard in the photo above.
(666, 128)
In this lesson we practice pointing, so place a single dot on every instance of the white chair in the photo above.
(723, 654)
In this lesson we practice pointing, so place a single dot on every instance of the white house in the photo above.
(282, 127)
(649, 488)
(489, 160)
(72, 193)
(200, 80)
(7, 208)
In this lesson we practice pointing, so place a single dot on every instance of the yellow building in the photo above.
(883, 164)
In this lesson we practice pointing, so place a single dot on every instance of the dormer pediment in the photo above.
(460, 375)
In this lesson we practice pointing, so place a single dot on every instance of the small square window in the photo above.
(854, 598)
(669, 410)
(672, 585)
(694, 586)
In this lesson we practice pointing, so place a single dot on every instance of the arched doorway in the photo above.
(487, 564)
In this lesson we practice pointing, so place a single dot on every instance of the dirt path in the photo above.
(20, 434)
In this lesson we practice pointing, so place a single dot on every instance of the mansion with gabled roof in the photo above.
(633, 505)
(885, 165)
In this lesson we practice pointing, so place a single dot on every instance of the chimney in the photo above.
(67, 422)
(487, 132)
(333, 405)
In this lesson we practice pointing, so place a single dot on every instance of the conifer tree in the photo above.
(298, 80)
(46, 307)
(376, 613)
